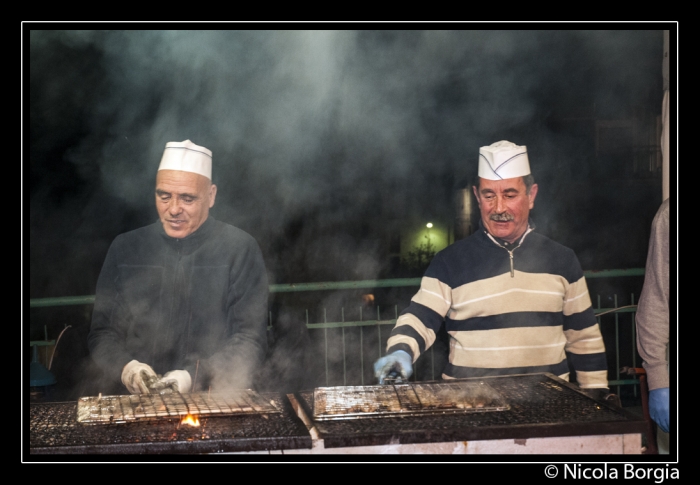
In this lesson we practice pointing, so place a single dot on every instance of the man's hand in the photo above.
(658, 407)
(177, 380)
(138, 377)
(398, 362)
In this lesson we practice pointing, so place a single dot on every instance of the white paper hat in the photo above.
(503, 160)
(186, 156)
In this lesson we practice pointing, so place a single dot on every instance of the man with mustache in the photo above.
(181, 302)
(512, 301)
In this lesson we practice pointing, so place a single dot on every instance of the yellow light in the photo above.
(429, 225)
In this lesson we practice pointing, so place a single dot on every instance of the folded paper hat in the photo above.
(503, 160)
(186, 156)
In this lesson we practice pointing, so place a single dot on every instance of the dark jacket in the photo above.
(198, 303)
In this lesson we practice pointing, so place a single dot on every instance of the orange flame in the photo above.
(191, 420)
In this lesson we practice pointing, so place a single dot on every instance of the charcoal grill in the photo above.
(514, 408)
(538, 406)
(54, 429)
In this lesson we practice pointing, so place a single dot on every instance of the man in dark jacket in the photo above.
(181, 303)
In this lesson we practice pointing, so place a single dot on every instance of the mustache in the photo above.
(504, 217)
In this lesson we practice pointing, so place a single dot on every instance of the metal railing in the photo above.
(377, 324)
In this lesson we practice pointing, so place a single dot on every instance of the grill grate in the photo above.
(540, 406)
(144, 407)
(54, 429)
(410, 399)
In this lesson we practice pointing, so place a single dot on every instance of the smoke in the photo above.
(323, 141)
(313, 122)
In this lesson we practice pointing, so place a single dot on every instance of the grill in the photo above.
(502, 408)
(141, 407)
(400, 400)
(538, 406)
(54, 429)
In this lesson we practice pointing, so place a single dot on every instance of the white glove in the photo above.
(138, 377)
(178, 380)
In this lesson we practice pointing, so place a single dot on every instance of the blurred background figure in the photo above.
(653, 322)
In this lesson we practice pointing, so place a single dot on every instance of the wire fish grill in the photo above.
(144, 407)
(411, 399)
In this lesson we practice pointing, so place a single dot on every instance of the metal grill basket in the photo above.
(140, 407)
(410, 399)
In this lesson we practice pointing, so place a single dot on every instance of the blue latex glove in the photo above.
(658, 407)
(398, 362)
